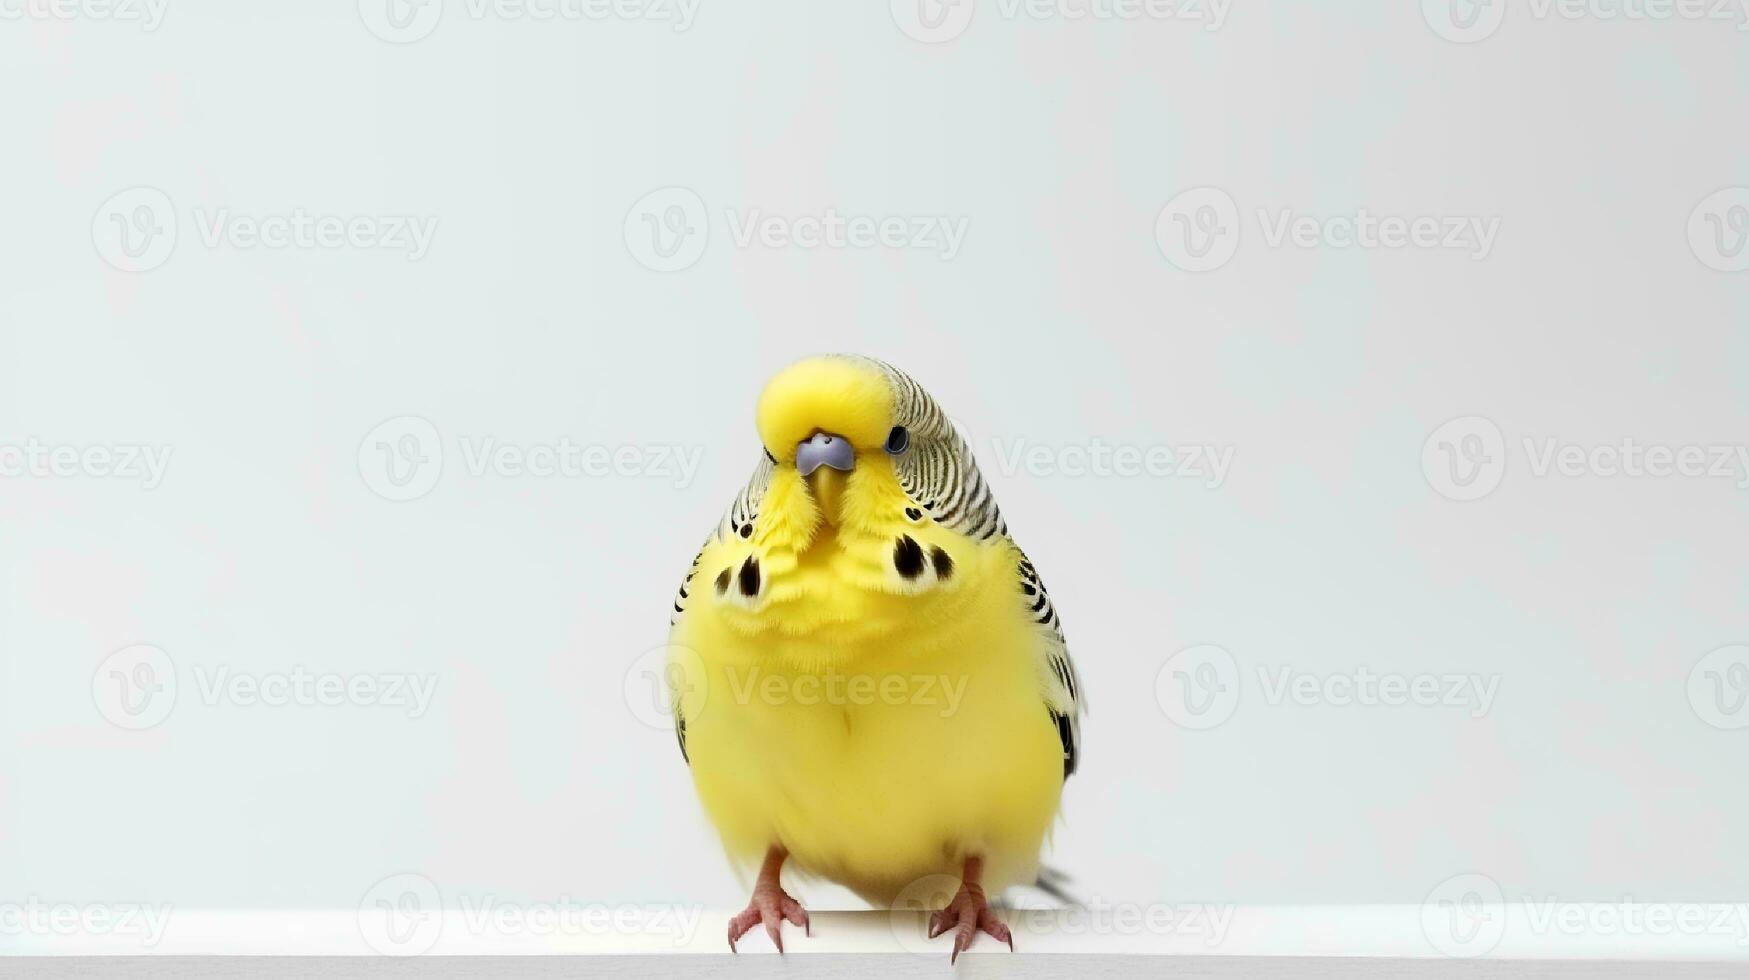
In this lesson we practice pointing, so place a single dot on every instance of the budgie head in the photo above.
(865, 511)
(870, 448)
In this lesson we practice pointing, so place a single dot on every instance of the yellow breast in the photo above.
(880, 725)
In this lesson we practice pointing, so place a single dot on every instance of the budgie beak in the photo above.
(824, 449)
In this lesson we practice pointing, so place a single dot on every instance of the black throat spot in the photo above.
(942, 561)
(907, 557)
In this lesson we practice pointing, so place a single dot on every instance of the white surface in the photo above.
(1519, 932)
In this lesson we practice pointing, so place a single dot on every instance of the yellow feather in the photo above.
(880, 728)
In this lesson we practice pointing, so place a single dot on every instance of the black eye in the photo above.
(897, 440)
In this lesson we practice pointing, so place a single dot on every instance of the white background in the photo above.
(1331, 545)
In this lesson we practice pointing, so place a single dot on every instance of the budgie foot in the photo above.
(770, 905)
(968, 914)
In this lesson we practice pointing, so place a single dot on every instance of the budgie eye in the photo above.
(897, 440)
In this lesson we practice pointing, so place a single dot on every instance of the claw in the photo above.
(962, 941)
(988, 922)
(966, 915)
(770, 907)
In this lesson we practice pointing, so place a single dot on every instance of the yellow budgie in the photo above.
(870, 680)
